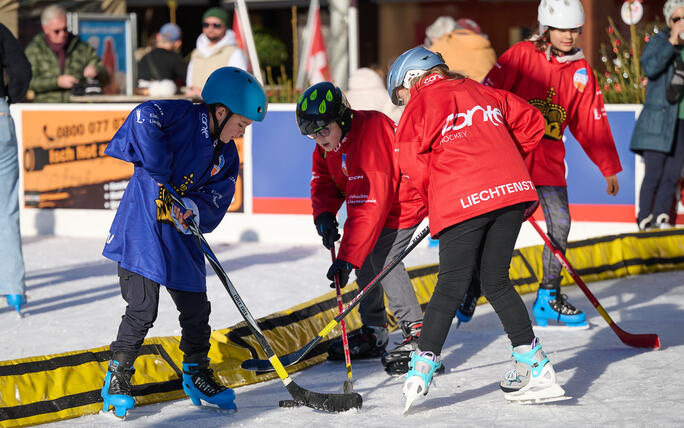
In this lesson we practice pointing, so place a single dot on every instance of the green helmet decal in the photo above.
(329, 96)
(321, 107)
(314, 112)
(305, 105)
(314, 94)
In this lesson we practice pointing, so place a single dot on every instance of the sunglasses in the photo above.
(323, 132)
(60, 30)
(676, 18)
(211, 24)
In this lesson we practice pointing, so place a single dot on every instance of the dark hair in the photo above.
(541, 40)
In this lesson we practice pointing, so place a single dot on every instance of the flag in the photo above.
(315, 56)
(239, 40)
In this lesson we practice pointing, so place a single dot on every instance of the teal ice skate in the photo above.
(422, 367)
(116, 391)
(532, 379)
(199, 384)
(16, 300)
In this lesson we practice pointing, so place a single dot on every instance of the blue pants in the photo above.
(12, 267)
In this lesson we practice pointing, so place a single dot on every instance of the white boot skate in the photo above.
(422, 367)
(532, 379)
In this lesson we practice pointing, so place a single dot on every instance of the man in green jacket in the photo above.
(60, 60)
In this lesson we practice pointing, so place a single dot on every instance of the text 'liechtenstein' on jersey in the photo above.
(169, 142)
(566, 93)
(363, 171)
(462, 144)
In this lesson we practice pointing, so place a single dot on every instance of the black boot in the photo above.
(367, 342)
(116, 391)
(396, 361)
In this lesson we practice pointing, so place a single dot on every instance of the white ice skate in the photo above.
(422, 367)
(532, 380)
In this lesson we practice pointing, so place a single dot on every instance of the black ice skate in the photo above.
(367, 342)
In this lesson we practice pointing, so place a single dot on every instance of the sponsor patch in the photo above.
(580, 79)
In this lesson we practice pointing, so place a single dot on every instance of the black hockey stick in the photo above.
(648, 340)
(289, 359)
(316, 400)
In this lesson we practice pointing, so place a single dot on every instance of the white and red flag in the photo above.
(313, 65)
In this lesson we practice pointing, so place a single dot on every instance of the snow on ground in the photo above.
(74, 304)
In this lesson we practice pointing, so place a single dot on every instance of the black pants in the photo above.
(491, 239)
(657, 194)
(142, 296)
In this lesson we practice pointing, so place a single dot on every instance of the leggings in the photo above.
(491, 239)
(554, 202)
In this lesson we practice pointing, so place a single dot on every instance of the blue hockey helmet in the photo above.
(411, 63)
(237, 90)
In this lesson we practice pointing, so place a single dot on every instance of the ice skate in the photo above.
(396, 361)
(199, 384)
(368, 342)
(532, 379)
(116, 391)
(16, 300)
(553, 306)
(422, 367)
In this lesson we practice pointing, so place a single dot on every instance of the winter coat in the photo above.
(655, 128)
(367, 91)
(168, 142)
(206, 58)
(362, 171)
(461, 144)
(565, 90)
(466, 52)
(14, 64)
(46, 68)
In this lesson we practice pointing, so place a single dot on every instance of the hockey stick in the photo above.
(302, 396)
(349, 383)
(635, 340)
(289, 359)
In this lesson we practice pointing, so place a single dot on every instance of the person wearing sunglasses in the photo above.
(216, 47)
(60, 60)
(659, 132)
(551, 73)
(354, 162)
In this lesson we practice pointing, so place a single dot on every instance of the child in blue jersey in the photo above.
(190, 148)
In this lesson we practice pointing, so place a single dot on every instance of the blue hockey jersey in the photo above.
(169, 142)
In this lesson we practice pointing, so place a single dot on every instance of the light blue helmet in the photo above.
(237, 90)
(415, 59)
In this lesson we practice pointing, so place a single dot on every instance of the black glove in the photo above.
(326, 226)
(342, 269)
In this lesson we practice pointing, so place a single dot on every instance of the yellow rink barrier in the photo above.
(54, 387)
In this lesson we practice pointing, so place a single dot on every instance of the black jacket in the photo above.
(16, 65)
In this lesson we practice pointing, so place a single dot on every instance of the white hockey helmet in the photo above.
(561, 14)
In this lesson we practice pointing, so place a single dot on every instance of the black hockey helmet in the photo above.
(319, 106)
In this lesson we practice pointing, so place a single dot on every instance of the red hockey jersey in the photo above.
(566, 92)
(462, 145)
(363, 171)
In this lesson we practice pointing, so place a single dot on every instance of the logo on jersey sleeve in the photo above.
(344, 165)
(220, 162)
(580, 79)
(554, 115)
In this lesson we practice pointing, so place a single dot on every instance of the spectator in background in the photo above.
(367, 92)
(163, 63)
(216, 47)
(462, 45)
(659, 132)
(16, 67)
(60, 60)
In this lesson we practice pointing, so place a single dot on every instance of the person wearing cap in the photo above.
(551, 73)
(461, 145)
(216, 47)
(462, 45)
(175, 144)
(163, 62)
(659, 132)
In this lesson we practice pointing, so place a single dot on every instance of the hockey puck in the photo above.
(288, 403)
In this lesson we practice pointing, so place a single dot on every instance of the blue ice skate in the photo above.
(16, 300)
(199, 384)
(422, 368)
(116, 391)
(551, 305)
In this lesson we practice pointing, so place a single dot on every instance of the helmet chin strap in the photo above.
(218, 128)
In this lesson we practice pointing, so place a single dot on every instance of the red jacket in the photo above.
(567, 94)
(363, 171)
(462, 145)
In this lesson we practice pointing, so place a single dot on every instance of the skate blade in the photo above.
(110, 415)
(412, 394)
(539, 400)
(562, 327)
